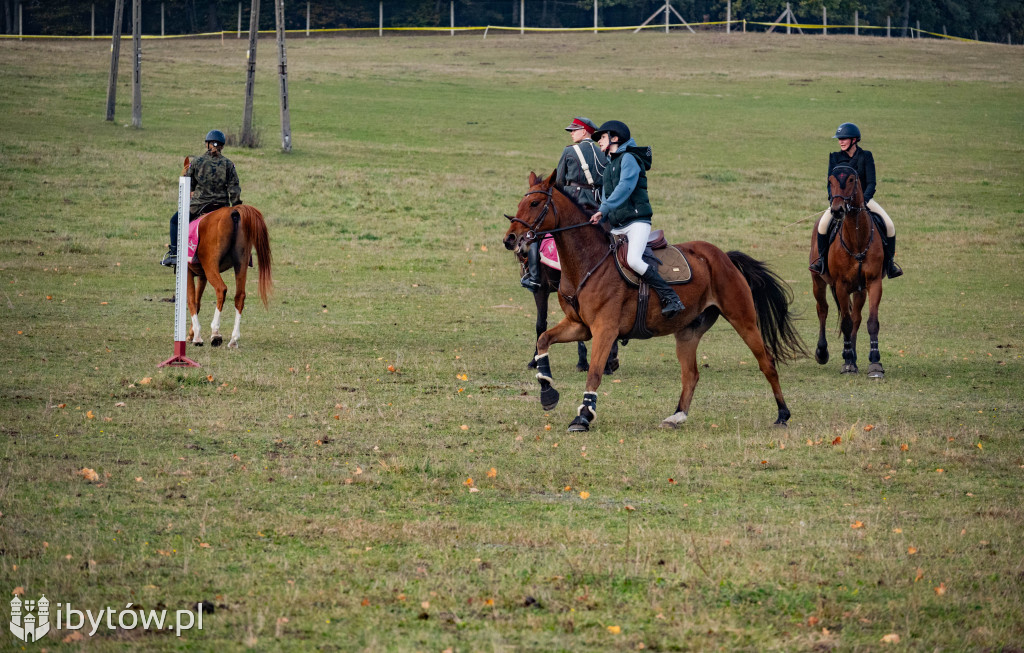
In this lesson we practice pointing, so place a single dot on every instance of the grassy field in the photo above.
(319, 501)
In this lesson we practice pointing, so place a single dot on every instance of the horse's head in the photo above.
(536, 213)
(844, 190)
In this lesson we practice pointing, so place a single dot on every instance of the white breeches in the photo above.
(637, 232)
(890, 228)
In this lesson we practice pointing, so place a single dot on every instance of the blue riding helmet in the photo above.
(847, 130)
(216, 136)
(614, 128)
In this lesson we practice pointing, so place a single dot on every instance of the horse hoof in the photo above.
(848, 369)
(233, 344)
(216, 341)
(673, 421)
(781, 423)
(197, 344)
(611, 366)
(583, 367)
(579, 425)
(821, 355)
(548, 398)
(875, 371)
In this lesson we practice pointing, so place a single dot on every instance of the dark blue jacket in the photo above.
(863, 163)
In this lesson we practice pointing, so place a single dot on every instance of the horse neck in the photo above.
(578, 249)
(857, 224)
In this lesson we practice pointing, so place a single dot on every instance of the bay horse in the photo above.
(598, 304)
(854, 271)
(549, 279)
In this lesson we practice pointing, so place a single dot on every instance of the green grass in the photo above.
(332, 493)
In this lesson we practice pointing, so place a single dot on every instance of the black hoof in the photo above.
(548, 398)
(611, 366)
(583, 367)
(198, 344)
(784, 416)
(821, 355)
(216, 341)
(875, 371)
(849, 368)
(579, 424)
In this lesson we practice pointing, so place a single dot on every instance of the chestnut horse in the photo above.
(598, 304)
(853, 271)
(227, 237)
(550, 278)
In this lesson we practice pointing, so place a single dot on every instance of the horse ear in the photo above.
(185, 166)
(533, 179)
(551, 179)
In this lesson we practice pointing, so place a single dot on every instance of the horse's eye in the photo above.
(534, 203)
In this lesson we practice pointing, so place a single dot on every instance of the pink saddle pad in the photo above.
(549, 253)
(193, 236)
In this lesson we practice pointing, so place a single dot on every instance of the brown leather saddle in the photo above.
(669, 259)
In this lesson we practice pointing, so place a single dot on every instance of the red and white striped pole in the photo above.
(180, 270)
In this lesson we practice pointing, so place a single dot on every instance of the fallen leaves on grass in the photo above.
(857, 524)
(904, 447)
(146, 380)
(18, 591)
(891, 638)
(89, 474)
(90, 415)
(462, 377)
(492, 472)
(868, 428)
(468, 482)
(940, 590)
(584, 495)
(838, 440)
(614, 630)
(911, 550)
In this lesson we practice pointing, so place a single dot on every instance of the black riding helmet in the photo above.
(216, 136)
(847, 130)
(613, 128)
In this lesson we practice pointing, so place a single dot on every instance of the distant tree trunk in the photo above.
(544, 13)
(7, 17)
(906, 17)
(212, 24)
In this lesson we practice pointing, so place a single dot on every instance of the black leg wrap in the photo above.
(784, 416)
(588, 409)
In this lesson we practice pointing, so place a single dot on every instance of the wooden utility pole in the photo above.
(137, 67)
(247, 139)
(115, 53)
(282, 69)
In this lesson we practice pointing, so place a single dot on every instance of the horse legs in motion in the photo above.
(226, 239)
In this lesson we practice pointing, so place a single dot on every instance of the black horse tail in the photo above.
(772, 298)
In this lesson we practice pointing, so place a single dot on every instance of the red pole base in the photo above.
(179, 359)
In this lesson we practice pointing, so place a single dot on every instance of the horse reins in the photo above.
(847, 209)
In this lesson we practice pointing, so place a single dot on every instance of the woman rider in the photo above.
(626, 207)
(214, 185)
(851, 155)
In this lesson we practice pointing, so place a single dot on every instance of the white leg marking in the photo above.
(236, 333)
(196, 338)
(673, 421)
(215, 325)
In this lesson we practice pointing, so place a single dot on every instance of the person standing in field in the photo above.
(626, 207)
(578, 175)
(863, 162)
(214, 185)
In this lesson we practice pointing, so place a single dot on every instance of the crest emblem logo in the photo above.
(30, 620)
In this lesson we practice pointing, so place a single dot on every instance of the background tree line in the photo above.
(992, 20)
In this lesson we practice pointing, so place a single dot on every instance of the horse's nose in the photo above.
(510, 242)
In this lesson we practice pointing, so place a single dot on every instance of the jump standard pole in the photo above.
(180, 270)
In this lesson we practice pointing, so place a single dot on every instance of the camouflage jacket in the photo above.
(214, 179)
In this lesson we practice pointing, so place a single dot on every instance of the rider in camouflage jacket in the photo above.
(214, 185)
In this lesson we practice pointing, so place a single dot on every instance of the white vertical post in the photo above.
(307, 19)
(888, 26)
(181, 269)
(944, 31)
(20, 15)
(595, 16)
(380, 20)
(856, 22)
(522, 17)
(824, 20)
(728, 17)
(239, 21)
(282, 70)
(162, 19)
(666, 16)
(92, 32)
(451, 16)
(788, 14)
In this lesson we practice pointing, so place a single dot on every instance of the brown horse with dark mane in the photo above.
(227, 238)
(598, 304)
(854, 270)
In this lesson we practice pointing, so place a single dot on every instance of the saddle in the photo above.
(669, 259)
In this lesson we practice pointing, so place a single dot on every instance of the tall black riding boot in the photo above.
(818, 267)
(171, 257)
(670, 304)
(531, 280)
(892, 270)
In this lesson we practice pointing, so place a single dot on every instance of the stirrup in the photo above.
(894, 270)
(170, 259)
(818, 267)
(528, 283)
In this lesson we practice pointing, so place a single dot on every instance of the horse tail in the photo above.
(772, 298)
(255, 230)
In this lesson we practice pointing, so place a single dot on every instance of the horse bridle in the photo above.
(847, 209)
(846, 198)
(549, 205)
